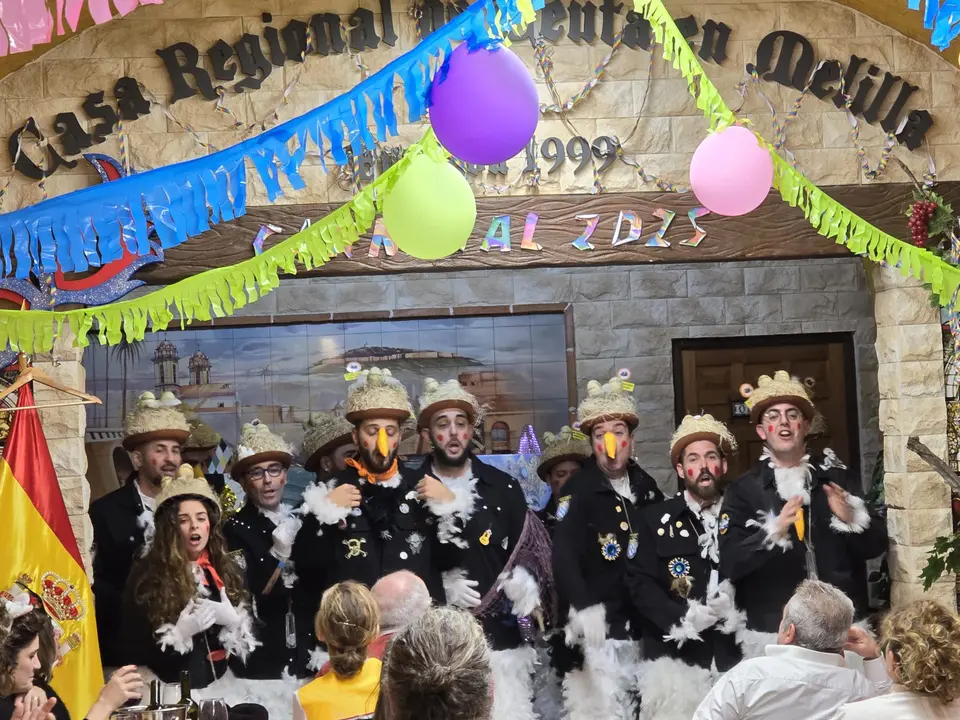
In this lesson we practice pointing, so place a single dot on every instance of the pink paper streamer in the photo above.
(24, 24)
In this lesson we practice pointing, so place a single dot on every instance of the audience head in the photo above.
(348, 621)
(402, 598)
(438, 668)
(921, 644)
(19, 654)
(817, 617)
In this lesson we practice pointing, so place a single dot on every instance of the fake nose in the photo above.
(382, 446)
(610, 445)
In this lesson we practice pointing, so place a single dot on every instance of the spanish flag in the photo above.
(39, 553)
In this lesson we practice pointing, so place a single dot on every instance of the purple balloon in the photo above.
(484, 109)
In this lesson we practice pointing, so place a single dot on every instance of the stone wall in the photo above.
(669, 128)
(628, 318)
(910, 377)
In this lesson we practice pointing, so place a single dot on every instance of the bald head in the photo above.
(402, 598)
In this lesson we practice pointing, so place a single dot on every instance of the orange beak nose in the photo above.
(610, 445)
(382, 445)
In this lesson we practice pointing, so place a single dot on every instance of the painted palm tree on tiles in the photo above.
(127, 353)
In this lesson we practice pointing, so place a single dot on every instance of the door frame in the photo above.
(851, 386)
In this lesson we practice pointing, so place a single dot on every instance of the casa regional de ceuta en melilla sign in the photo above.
(783, 57)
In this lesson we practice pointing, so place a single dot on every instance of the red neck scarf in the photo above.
(203, 562)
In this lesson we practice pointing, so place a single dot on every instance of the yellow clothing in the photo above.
(331, 698)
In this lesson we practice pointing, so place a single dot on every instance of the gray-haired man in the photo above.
(804, 676)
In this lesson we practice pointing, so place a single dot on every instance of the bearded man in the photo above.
(327, 445)
(377, 516)
(793, 517)
(687, 612)
(153, 433)
(597, 533)
(502, 547)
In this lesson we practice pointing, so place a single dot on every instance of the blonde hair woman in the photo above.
(348, 621)
(921, 644)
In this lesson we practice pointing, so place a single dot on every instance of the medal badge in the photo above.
(563, 506)
(724, 524)
(415, 541)
(632, 546)
(609, 546)
(682, 583)
(355, 547)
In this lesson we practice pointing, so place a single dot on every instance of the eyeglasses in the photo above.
(774, 416)
(259, 473)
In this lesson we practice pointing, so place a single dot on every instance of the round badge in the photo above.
(404, 508)
(624, 526)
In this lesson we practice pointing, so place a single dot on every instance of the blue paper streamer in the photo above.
(91, 227)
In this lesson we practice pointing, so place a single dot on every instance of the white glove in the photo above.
(196, 617)
(521, 590)
(283, 537)
(459, 590)
(700, 617)
(223, 612)
(721, 604)
(590, 624)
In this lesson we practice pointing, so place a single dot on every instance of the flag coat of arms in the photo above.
(40, 554)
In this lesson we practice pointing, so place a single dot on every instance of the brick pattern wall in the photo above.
(669, 128)
(628, 318)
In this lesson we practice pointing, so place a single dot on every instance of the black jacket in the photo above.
(765, 577)
(589, 566)
(249, 535)
(390, 531)
(669, 546)
(117, 540)
(205, 662)
(491, 535)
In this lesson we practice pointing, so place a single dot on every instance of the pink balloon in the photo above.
(731, 172)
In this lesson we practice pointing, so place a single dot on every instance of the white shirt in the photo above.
(791, 683)
(148, 503)
(900, 704)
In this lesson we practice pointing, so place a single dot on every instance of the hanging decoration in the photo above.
(483, 103)
(430, 210)
(91, 227)
(214, 293)
(824, 213)
(731, 171)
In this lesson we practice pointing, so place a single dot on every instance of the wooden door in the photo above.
(708, 374)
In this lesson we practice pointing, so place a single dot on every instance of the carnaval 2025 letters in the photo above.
(783, 57)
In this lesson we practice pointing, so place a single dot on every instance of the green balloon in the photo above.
(430, 211)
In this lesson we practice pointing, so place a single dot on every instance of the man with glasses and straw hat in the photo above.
(595, 536)
(377, 516)
(688, 616)
(794, 516)
(260, 537)
(503, 557)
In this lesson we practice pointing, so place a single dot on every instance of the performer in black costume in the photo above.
(563, 457)
(687, 610)
(595, 536)
(793, 516)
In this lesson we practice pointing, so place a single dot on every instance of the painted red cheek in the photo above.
(770, 428)
(441, 439)
(690, 472)
(716, 470)
(623, 444)
(599, 447)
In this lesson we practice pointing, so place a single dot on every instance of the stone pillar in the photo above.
(910, 377)
(64, 428)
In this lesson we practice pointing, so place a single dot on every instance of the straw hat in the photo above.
(701, 427)
(256, 445)
(202, 436)
(607, 402)
(186, 485)
(560, 447)
(325, 432)
(377, 394)
(438, 396)
(781, 388)
(154, 419)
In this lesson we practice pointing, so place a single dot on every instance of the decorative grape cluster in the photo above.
(920, 215)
